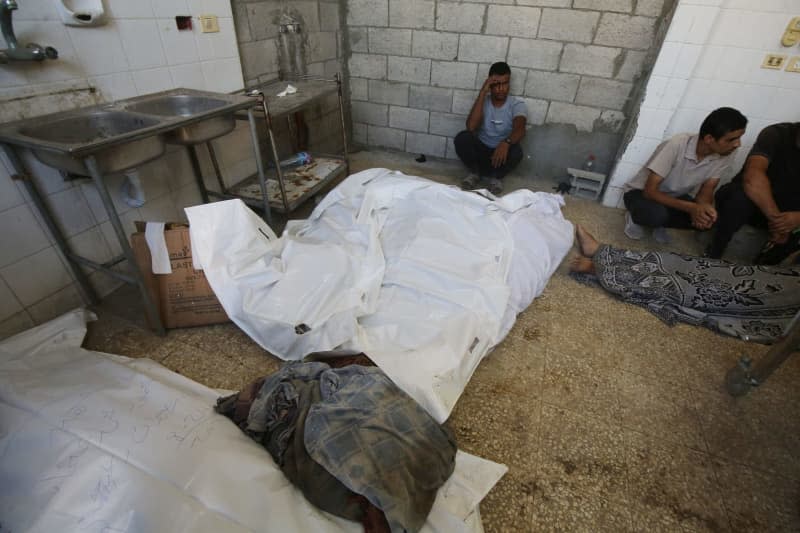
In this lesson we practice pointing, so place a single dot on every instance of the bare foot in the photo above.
(582, 264)
(586, 242)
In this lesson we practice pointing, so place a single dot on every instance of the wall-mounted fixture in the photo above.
(15, 52)
(792, 34)
(209, 24)
(774, 61)
(81, 12)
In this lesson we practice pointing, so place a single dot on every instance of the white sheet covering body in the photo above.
(422, 277)
(92, 442)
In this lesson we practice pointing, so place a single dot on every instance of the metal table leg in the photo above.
(262, 180)
(198, 173)
(85, 288)
(745, 376)
(340, 96)
(212, 154)
(149, 305)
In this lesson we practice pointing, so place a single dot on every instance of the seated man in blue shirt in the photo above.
(489, 146)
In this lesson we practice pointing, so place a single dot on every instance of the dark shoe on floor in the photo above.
(495, 186)
(470, 182)
(773, 254)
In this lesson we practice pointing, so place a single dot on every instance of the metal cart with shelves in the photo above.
(285, 189)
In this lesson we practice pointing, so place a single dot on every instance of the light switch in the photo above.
(793, 65)
(209, 23)
(775, 61)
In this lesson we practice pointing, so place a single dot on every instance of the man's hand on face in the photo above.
(785, 222)
(487, 85)
(500, 154)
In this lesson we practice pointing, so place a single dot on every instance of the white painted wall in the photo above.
(712, 57)
(139, 51)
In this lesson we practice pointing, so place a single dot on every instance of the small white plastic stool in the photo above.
(585, 183)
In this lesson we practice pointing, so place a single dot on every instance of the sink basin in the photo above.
(188, 105)
(124, 134)
(94, 127)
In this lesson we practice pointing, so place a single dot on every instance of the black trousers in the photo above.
(734, 210)
(478, 157)
(655, 215)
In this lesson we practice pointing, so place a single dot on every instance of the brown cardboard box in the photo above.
(184, 298)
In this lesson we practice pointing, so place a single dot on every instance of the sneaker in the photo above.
(470, 182)
(632, 230)
(662, 236)
(495, 186)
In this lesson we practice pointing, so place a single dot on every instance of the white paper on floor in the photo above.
(102, 443)
(422, 277)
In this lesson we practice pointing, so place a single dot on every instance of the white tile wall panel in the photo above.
(180, 46)
(623, 172)
(673, 93)
(161, 209)
(56, 304)
(71, 211)
(220, 8)
(15, 324)
(117, 86)
(99, 49)
(188, 75)
(223, 75)
(126, 9)
(9, 194)
(36, 10)
(152, 80)
(142, 43)
(9, 305)
(217, 45)
(21, 236)
(92, 245)
(667, 58)
(36, 276)
(688, 57)
(169, 8)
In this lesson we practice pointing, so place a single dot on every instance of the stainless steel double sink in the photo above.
(126, 133)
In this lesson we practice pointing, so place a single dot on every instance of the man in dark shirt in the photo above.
(765, 193)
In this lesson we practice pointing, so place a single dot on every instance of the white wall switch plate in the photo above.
(209, 23)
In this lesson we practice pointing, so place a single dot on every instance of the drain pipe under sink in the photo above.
(132, 190)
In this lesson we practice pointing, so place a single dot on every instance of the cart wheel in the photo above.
(738, 380)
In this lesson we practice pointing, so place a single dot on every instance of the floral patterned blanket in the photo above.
(751, 302)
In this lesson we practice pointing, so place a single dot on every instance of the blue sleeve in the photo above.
(519, 109)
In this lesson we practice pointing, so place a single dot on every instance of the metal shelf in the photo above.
(300, 183)
(285, 189)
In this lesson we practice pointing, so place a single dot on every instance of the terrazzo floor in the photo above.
(607, 419)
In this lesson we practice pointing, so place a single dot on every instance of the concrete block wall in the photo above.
(711, 57)
(416, 67)
(257, 31)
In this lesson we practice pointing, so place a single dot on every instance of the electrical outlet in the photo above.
(775, 61)
(209, 23)
(793, 65)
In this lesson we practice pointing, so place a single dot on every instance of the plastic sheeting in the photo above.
(93, 442)
(423, 277)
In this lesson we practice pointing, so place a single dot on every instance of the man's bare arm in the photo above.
(518, 129)
(703, 215)
(475, 116)
(757, 186)
(706, 193)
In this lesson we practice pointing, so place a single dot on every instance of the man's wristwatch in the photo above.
(508, 140)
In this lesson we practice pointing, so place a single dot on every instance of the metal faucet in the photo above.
(30, 52)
